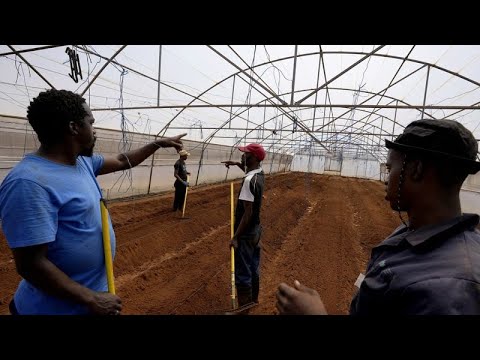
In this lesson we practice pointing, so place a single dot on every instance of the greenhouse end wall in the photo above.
(18, 138)
(371, 169)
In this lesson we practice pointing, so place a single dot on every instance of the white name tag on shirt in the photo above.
(359, 280)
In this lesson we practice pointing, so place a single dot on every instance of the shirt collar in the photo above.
(252, 172)
(431, 232)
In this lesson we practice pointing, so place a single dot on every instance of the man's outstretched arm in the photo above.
(132, 158)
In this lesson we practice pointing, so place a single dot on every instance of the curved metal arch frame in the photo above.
(349, 126)
(321, 53)
(243, 71)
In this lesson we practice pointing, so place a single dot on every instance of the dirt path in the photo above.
(317, 229)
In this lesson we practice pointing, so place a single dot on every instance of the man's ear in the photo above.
(73, 128)
(417, 170)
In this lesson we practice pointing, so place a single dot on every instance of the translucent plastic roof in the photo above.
(292, 99)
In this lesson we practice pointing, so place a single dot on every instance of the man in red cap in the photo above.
(430, 265)
(248, 230)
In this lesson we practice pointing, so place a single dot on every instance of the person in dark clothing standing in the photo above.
(430, 265)
(181, 183)
(247, 228)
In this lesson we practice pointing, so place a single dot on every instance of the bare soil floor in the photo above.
(317, 229)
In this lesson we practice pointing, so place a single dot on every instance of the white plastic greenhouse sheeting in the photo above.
(361, 168)
(368, 169)
(17, 138)
(301, 163)
(470, 201)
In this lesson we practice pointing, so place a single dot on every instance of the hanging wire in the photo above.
(126, 138)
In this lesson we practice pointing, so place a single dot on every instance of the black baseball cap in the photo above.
(442, 139)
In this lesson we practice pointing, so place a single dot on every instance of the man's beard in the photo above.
(88, 152)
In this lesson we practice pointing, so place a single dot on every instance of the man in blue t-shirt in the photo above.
(50, 210)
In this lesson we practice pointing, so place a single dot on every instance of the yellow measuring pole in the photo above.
(232, 249)
(185, 200)
(107, 250)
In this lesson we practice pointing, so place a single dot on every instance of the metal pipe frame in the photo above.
(298, 105)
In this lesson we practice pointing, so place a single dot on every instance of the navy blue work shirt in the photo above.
(434, 270)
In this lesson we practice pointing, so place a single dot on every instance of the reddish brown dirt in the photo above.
(317, 229)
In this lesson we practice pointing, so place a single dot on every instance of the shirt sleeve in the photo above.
(97, 163)
(29, 217)
(254, 189)
(246, 193)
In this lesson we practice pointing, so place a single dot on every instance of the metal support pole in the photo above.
(159, 73)
(316, 94)
(231, 103)
(294, 72)
(200, 164)
(425, 94)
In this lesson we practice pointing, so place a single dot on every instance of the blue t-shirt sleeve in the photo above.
(97, 163)
(29, 217)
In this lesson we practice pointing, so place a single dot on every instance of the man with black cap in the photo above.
(247, 228)
(430, 264)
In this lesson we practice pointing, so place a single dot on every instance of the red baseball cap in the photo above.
(255, 149)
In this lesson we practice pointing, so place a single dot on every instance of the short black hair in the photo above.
(51, 111)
